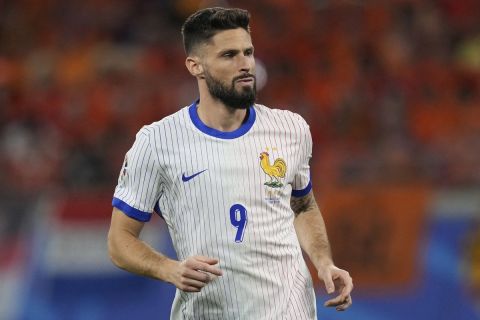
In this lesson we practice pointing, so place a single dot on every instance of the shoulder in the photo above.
(287, 117)
(163, 128)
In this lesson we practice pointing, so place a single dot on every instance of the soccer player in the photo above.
(231, 180)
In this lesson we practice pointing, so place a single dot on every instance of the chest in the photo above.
(263, 159)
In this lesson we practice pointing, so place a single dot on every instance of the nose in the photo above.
(246, 63)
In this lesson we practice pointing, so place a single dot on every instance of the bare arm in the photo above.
(311, 230)
(130, 253)
(312, 235)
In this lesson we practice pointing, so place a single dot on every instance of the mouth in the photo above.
(248, 79)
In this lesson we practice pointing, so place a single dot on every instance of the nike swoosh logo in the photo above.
(187, 178)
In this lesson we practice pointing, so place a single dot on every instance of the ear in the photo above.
(194, 67)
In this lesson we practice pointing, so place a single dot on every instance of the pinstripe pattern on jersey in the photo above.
(264, 276)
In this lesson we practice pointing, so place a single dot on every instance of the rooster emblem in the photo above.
(275, 171)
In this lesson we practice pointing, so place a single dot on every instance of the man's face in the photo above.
(229, 68)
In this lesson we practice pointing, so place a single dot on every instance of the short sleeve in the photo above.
(302, 184)
(138, 187)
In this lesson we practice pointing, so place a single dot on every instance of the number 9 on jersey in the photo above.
(238, 218)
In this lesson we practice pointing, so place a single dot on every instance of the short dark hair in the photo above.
(205, 23)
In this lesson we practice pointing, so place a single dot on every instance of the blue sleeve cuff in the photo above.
(304, 191)
(130, 211)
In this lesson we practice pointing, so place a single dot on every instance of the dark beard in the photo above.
(228, 95)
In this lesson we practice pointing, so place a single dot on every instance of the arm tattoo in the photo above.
(303, 204)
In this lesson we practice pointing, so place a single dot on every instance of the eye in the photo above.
(249, 52)
(228, 54)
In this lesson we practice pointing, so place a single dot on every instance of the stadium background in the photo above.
(391, 90)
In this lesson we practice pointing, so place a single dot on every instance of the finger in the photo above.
(338, 300)
(213, 270)
(206, 259)
(189, 289)
(194, 283)
(346, 292)
(345, 305)
(347, 286)
(327, 280)
(202, 266)
(198, 275)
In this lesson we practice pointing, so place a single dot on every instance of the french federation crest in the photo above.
(276, 171)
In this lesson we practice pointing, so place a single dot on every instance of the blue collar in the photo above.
(246, 125)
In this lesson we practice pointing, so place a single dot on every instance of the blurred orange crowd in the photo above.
(391, 89)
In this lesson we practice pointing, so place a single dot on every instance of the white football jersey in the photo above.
(226, 195)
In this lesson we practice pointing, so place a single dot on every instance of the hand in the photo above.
(339, 280)
(194, 273)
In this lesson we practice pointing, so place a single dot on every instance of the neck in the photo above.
(217, 115)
